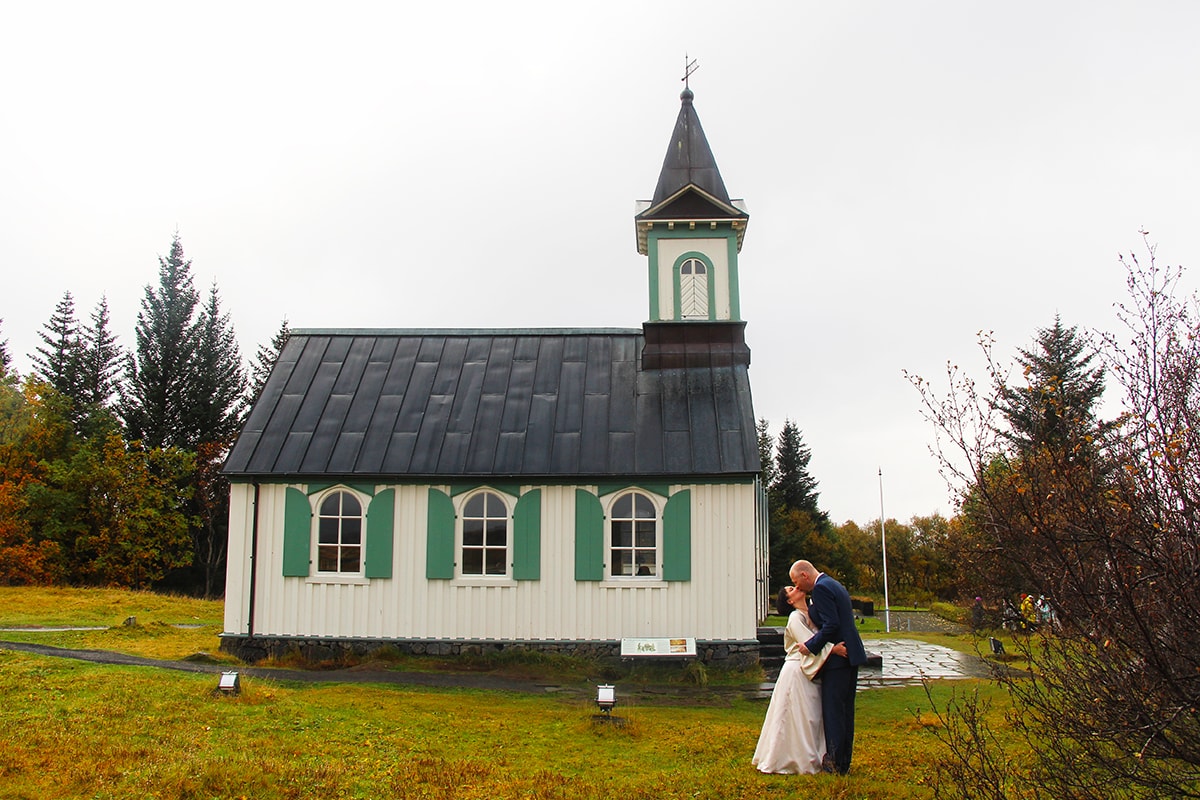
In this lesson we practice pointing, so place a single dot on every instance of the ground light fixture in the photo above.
(606, 698)
(229, 683)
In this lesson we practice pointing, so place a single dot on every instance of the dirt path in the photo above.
(355, 675)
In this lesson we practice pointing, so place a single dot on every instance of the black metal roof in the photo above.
(517, 403)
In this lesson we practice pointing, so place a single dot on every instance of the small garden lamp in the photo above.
(606, 697)
(229, 683)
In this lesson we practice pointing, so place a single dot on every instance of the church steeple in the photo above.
(691, 231)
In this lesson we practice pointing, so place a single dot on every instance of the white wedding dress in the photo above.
(793, 737)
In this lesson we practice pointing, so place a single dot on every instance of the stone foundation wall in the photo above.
(729, 655)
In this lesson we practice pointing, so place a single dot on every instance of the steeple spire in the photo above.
(689, 159)
(691, 233)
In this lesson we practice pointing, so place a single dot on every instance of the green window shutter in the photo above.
(527, 537)
(297, 533)
(589, 537)
(439, 537)
(677, 537)
(380, 522)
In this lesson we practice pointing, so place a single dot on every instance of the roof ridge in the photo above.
(464, 331)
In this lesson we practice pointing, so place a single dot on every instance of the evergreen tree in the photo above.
(766, 450)
(5, 358)
(793, 487)
(155, 391)
(58, 361)
(216, 381)
(1062, 387)
(265, 358)
(100, 362)
(798, 527)
(218, 388)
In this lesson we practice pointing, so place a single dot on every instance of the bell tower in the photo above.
(691, 233)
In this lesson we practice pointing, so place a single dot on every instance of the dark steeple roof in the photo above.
(689, 158)
(690, 187)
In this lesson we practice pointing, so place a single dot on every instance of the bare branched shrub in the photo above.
(1104, 521)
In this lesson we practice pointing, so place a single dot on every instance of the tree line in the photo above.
(921, 566)
(110, 458)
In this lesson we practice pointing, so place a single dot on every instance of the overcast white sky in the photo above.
(915, 172)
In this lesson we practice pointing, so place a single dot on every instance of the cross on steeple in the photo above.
(689, 66)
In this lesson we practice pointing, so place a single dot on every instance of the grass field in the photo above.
(78, 730)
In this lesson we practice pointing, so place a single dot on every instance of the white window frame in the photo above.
(692, 287)
(460, 513)
(609, 519)
(338, 575)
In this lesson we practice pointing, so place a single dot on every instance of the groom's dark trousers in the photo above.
(838, 687)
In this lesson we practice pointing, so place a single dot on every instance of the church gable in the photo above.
(692, 204)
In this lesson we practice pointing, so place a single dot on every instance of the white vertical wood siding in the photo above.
(718, 603)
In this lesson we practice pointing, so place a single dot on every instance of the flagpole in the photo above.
(887, 606)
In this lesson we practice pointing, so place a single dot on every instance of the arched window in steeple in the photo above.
(693, 289)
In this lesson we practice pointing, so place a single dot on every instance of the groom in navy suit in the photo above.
(829, 609)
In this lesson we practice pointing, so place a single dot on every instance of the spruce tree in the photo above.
(100, 363)
(216, 381)
(57, 362)
(5, 358)
(1056, 403)
(798, 527)
(766, 451)
(265, 358)
(793, 487)
(155, 391)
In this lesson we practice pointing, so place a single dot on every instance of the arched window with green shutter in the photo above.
(527, 537)
(439, 537)
(677, 537)
(380, 524)
(297, 533)
(589, 537)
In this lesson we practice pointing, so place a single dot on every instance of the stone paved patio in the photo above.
(907, 661)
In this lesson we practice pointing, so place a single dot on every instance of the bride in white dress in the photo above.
(792, 741)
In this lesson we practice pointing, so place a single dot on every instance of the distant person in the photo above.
(830, 611)
(977, 615)
(1028, 612)
(1010, 618)
(1043, 609)
(792, 741)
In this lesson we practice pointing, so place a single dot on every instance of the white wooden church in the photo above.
(559, 489)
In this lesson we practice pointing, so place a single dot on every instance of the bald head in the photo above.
(803, 575)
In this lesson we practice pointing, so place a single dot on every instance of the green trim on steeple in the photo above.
(735, 293)
(652, 259)
(723, 230)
